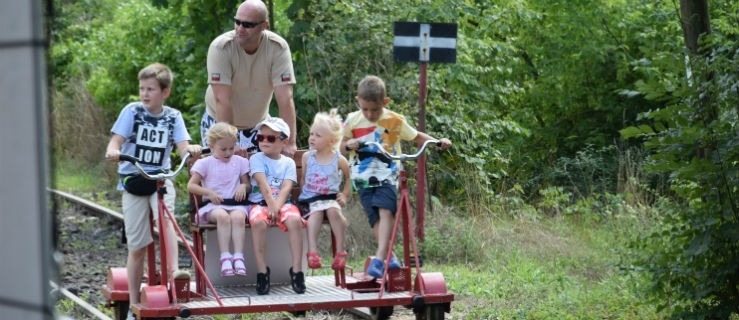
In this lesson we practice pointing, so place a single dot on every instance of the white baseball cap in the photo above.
(276, 124)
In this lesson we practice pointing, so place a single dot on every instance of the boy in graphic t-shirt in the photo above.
(375, 178)
(148, 130)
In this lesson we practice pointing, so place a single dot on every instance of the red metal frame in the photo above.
(163, 241)
(421, 162)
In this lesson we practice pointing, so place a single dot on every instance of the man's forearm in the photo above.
(224, 112)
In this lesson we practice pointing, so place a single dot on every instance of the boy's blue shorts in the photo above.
(374, 198)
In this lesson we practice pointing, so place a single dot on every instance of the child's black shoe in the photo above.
(298, 281)
(263, 283)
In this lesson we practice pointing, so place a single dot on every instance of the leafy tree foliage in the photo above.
(693, 253)
(573, 57)
(109, 49)
(341, 42)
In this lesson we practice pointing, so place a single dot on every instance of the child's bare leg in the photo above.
(238, 233)
(221, 219)
(314, 227)
(375, 228)
(173, 259)
(135, 272)
(338, 227)
(295, 237)
(238, 229)
(383, 233)
(172, 236)
(259, 239)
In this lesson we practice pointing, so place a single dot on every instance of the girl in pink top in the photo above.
(223, 180)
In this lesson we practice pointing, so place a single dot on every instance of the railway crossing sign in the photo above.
(425, 42)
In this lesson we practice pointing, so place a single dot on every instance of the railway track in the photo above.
(79, 302)
(98, 208)
(81, 281)
(87, 234)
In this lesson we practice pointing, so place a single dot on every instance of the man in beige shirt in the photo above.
(245, 66)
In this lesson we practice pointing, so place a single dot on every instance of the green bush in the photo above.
(691, 254)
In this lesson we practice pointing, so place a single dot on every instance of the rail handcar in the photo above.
(209, 293)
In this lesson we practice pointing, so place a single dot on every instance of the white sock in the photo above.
(226, 265)
(226, 255)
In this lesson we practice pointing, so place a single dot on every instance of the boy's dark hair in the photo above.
(371, 88)
(158, 71)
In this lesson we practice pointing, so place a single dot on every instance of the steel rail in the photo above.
(89, 309)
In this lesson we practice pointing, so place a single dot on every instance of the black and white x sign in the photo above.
(425, 42)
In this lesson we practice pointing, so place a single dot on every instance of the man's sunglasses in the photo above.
(269, 138)
(247, 24)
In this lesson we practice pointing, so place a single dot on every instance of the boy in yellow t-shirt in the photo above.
(375, 178)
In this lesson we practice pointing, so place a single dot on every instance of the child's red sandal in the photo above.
(314, 261)
(339, 261)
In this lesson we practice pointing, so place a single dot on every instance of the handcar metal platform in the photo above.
(321, 294)
(427, 293)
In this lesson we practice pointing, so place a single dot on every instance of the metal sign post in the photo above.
(424, 42)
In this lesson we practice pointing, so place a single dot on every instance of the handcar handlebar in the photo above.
(401, 157)
(159, 176)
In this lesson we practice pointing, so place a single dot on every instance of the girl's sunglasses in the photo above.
(269, 138)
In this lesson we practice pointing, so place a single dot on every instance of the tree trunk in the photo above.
(271, 14)
(695, 22)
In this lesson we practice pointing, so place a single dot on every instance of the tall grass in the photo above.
(564, 267)
(562, 257)
(80, 133)
(80, 130)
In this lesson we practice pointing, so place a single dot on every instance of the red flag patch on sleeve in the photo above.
(215, 77)
(286, 77)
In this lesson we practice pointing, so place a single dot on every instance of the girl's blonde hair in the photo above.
(331, 121)
(219, 131)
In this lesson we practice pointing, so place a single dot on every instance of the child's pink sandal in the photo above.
(339, 261)
(314, 261)
(239, 267)
(227, 269)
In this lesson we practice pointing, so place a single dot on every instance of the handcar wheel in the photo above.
(431, 312)
(381, 313)
(120, 310)
(298, 313)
